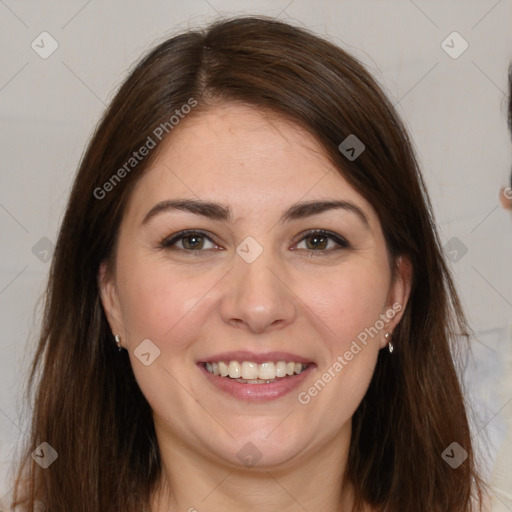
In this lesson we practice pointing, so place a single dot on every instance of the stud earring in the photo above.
(390, 345)
(118, 342)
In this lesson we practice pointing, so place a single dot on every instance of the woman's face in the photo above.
(250, 284)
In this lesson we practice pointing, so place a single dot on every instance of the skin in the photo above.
(505, 198)
(194, 304)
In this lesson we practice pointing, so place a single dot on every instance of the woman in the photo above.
(501, 480)
(248, 305)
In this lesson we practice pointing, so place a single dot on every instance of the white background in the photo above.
(455, 110)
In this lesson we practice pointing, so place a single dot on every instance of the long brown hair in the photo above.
(86, 402)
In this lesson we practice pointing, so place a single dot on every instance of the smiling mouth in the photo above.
(249, 372)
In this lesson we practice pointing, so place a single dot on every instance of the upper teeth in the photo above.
(249, 370)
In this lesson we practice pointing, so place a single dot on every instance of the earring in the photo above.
(118, 342)
(390, 345)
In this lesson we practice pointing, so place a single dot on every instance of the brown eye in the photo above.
(317, 242)
(193, 242)
(187, 241)
(323, 242)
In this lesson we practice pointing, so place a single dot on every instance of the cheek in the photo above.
(347, 301)
(348, 305)
(160, 303)
(167, 307)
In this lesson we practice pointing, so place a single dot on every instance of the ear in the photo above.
(110, 300)
(506, 198)
(398, 296)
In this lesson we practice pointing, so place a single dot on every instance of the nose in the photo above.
(257, 296)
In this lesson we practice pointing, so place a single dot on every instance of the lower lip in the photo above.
(257, 392)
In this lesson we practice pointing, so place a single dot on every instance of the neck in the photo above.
(192, 480)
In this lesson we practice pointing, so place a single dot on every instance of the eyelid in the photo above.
(170, 241)
(341, 241)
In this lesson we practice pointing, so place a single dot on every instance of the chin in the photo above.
(262, 449)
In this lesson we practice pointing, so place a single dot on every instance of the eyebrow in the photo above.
(217, 211)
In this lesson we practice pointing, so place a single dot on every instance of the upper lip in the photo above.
(254, 357)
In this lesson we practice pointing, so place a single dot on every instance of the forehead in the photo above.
(243, 157)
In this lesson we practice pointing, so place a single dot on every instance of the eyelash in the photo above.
(168, 242)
